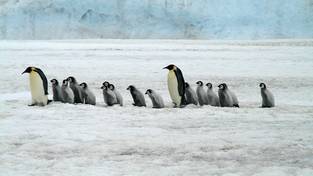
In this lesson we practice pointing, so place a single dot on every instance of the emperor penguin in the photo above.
(76, 89)
(202, 96)
(67, 92)
(227, 98)
(213, 98)
(88, 96)
(191, 96)
(139, 99)
(176, 85)
(157, 101)
(56, 89)
(119, 97)
(38, 86)
(108, 96)
(268, 100)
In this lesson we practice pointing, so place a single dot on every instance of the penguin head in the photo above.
(131, 88)
(187, 85)
(65, 82)
(209, 85)
(83, 85)
(71, 79)
(222, 86)
(149, 91)
(199, 83)
(170, 67)
(106, 83)
(54, 82)
(262, 86)
(30, 69)
(111, 86)
(104, 87)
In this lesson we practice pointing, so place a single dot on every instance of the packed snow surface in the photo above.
(66, 139)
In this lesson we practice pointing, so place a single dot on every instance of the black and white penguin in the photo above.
(227, 98)
(157, 101)
(67, 92)
(212, 97)
(202, 96)
(78, 98)
(56, 89)
(38, 86)
(268, 100)
(139, 99)
(108, 95)
(176, 85)
(88, 96)
(191, 96)
(119, 97)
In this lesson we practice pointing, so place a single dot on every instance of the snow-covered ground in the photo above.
(64, 139)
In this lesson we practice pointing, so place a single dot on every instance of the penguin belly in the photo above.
(173, 88)
(37, 89)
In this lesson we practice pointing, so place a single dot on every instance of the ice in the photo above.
(64, 139)
(168, 19)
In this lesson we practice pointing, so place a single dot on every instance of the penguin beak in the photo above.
(101, 87)
(127, 88)
(26, 71)
(165, 67)
(146, 93)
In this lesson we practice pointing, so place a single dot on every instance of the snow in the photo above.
(64, 139)
(167, 19)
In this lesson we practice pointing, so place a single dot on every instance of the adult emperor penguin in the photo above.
(38, 86)
(139, 99)
(78, 98)
(67, 92)
(213, 98)
(202, 96)
(176, 85)
(157, 101)
(119, 97)
(268, 100)
(108, 95)
(191, 96)
(88, 96)
(227, 98)
(56, 89)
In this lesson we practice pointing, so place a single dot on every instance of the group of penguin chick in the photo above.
(72, 92)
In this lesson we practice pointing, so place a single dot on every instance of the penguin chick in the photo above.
(202, 96)
(56, 89)
(227, 98)
(78, 98)
(88, 96)
(119, 97)
(67, 92)
(157, 101)
(139, 99)
(268, 100)
(108, 96)
(191, 96)
(212, 97)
